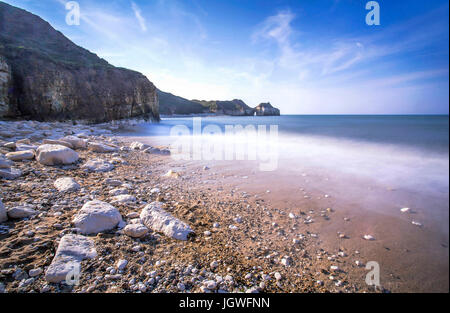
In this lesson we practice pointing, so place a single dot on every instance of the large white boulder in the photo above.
(3, 215)
(20, 155)
(72, 249)
(101, 148)
(66, 184)
(155, 217)
(10, 173)
(97, 216)
(55, 155)
(98, 165)
(76, 142)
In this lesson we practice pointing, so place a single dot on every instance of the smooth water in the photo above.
(398, 151)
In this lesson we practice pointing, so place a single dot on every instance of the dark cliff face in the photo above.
(44, 76)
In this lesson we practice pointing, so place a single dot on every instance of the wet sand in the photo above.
(411, 258)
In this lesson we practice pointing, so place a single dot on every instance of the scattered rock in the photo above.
(101, 148)
(20, 155)
(58, 142)
(35, 272)
(72, 249)
(135, 230)
(10, 173)
(5, 163)
(121, 264)
(155, 217)
(21, 211)
(368, 237)
(405, 210)
(76, 142)
(66, 184)
(3, 215)
(98, 165)
(55, 155)
(97, 216)
(123, 199)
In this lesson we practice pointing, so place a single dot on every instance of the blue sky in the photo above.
(304, 56)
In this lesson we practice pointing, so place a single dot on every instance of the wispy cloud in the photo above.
(139, 17)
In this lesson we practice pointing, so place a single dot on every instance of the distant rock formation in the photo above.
(45, 76)
(265, 109)
(234, 107)
(170, 104)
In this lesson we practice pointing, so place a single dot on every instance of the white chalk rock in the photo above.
(97, 216)
(10, 173)
(20, 155)
(123, 199)
(57, 142)
(66, 184)
(405, 210)
(3, 215)
(72, 249)
(21, 211)
(98, 165)
(369, 237)
(5, 163)
(25, 147)
(76, 142)
(55, 155)
(135, 230)
(139, 146)
(155, 217)
(101, 148)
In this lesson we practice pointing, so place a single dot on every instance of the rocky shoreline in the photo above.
(80, 196)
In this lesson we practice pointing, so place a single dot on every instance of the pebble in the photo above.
(121, 264)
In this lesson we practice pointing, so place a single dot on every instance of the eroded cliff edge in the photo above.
(45, 76)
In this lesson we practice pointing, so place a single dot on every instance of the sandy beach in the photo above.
(253, 231)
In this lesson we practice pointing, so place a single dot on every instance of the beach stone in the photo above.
(25, 147)
(97, 216)
(139, 146)
(121, 264)
(155, 217)
(72, 249)
(118, 191)
(66, 184)
(35, 272)
(5, 163)
(20, 155)
(76, 142)
(98, 165)
(3, 215)
(58, 142)
(113, 182)
(123, 199)
(101, 148)
(55, 155)
(21, 211)
(24, 141)
(10, 173)
(135, 230)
